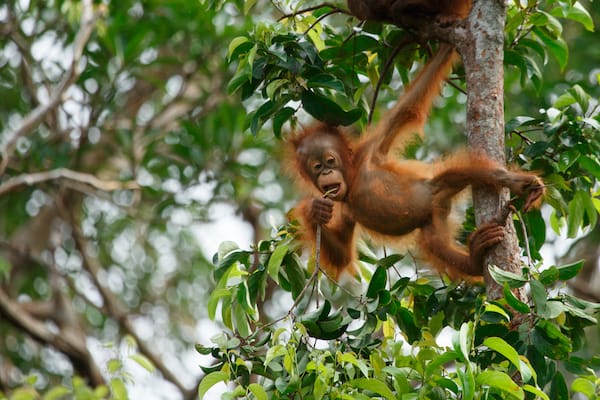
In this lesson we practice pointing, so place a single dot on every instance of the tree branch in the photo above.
(35, 117)
(68, 340)
(115, 309)
(79, 178)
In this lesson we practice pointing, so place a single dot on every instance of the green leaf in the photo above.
(513, 301)
(276, 351)
(566, 159)
(242, 76)
(390, 260)
(576, 13)
(557, 46)
(280, 118)
(275, 261)
(502, 277)
(558, 388)
(493, 308)
(373, 385)
(248, 4)
(512, 57)
(574, 217)
(555, 308)
(463, 340)
(406, 322)
(539, 295)
(582, 385)
(260, 115)
(566, 272)
(580, 95)
(520, 121)
(500, 346)
(114, 365)
(143, 362)
(500, 381)
(203, 349)
(258, 391)
(537, 392)
(325, 81)
(295, 274)
(564, 100)
(378, 282)
(210, 380)
(213, 301)
(243, 299)
(273, 86)
(467, 381)
(547, 21)
(350, 358)
(235, 43)
(241, 321)
(444, 358)
(57, 393)
(549, 276)
(118, 389)
(327, 110)
(320, 388)
(560, 343)
(590, 165)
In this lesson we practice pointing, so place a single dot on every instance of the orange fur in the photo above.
(410, 13)
(391, 198)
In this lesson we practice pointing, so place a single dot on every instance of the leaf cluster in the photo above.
(317, 350)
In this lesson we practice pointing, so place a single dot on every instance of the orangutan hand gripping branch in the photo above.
(391, 198)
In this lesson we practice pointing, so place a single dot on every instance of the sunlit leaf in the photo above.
(258, 391)
(373, 385)
(118, 389)
(582, 385)
(209, 381)
(143, 362)
(56, 393)
(275, 261)
(501, 381)
(235, 43)
(499, 345)
(511, 279)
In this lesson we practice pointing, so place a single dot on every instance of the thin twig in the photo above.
(309, 9)
(35, 178)
(525, 237)
(322, 17)
(386, 67)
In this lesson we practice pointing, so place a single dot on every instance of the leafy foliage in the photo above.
(148, 122)
(388, 342)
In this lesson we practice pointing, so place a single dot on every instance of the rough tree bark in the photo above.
(482, 50)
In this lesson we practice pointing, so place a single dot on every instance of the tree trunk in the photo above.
(482, 50)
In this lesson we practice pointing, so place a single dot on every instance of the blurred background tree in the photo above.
(121, 145)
